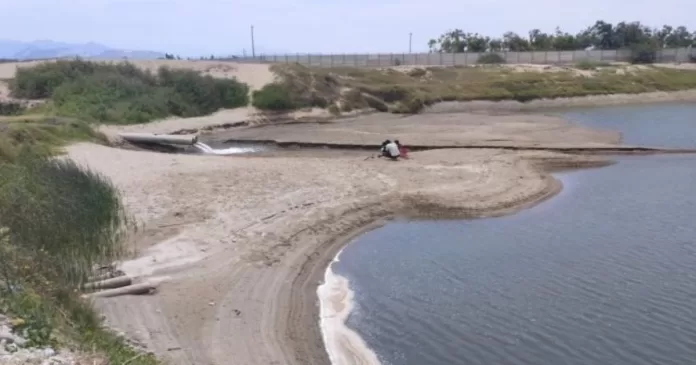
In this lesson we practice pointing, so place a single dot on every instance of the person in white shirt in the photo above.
(390, 149)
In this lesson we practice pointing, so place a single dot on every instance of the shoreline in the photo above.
(345, 346)
(653, 97)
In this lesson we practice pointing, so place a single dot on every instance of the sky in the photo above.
(222, 27)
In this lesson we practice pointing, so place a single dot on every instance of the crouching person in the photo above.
(390, 149)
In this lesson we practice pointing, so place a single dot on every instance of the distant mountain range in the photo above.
(51, 49)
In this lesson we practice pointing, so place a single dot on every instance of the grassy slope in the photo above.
(80, 94)
(40, 134)
(409, 91)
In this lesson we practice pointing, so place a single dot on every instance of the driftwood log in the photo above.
(111, 283)
(136, 289)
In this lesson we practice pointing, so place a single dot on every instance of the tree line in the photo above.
(601, 35)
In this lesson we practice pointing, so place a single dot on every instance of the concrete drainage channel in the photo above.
(188, 144)
(191, 144)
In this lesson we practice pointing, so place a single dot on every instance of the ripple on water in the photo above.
(604, 274)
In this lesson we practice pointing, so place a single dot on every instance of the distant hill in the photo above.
(51, 49)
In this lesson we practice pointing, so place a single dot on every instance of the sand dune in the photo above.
(255, 75)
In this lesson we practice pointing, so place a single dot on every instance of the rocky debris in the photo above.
(12, 352)
(135, 340)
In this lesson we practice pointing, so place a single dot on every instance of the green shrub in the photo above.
(412, 105)
(643, 54)
(42, 136)
(334, 110)
(417, 72)
(490, 59)
(273, 97)
(123, 93)
(10, 108)
(590, 65)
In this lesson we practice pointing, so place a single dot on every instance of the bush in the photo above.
(412, 105)
(10, 108)
(417, 72)
(274, 97)
(643, 54)
(490, 59)
(123, 93)
(590, 65)
(334, 110)
(42, 136)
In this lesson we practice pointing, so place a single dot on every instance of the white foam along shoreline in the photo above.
(343, 345)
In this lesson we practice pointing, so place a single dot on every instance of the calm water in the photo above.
(604, 273)
(666, 125)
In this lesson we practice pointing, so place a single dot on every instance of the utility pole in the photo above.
(410, 39)
(253, 50)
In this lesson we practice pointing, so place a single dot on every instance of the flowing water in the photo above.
(603, 273)
(208, 150)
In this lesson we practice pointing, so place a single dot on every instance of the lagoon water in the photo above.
(603, 274)
(664, 125)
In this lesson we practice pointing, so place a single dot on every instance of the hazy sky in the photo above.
(195, 27)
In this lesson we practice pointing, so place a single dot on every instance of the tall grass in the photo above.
(123, 93)
(66, 217)
(57, 221)
(40, 135)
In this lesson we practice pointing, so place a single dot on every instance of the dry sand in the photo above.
(443, 129)
(243, 242)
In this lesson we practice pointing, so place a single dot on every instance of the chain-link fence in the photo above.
(462, 59)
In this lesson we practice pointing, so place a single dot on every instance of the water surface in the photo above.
(604, 273)
(659, 125)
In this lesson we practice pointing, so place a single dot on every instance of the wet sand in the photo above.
(243, 242)
(343, 345)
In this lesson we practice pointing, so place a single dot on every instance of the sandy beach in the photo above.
(241, 243)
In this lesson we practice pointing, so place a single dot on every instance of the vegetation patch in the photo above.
(10, 108)
(40, 135)
(401, 92)
(58, 220)
(297, 87)
(274, 97)
(490, 59)
(591, 65)
(121, 93)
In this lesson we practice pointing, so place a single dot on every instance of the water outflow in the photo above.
(204, 148)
